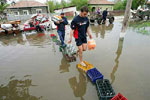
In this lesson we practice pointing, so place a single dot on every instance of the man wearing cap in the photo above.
(61, 28)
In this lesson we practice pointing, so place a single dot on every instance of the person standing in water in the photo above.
(61, 28)
(80, 29)
(105, 13)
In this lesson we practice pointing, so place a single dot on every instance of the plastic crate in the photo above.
(119, 96)
(85, 68)
(94, 74)
(104, 89)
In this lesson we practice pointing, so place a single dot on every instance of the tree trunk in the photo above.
(126, 18)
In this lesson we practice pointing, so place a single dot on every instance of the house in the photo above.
(3, 2)
(103, 4)
(148, 4)
(69, 11)
(27, 8)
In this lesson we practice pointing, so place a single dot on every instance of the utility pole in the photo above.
(126, 19)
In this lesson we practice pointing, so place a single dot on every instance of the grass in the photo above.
(141, 27)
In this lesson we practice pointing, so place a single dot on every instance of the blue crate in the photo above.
(104, 89)
(94, 74)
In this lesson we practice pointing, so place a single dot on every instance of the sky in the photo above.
(42, 1)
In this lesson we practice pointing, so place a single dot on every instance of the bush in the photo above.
(119, 6)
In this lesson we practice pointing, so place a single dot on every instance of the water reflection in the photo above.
(64, 67)
(141, 27)
(12, 40)
(53, 47)
(32, 38)
(101, 29)
(119, 51)
(37, 39)
(79, 88)
(17, 89)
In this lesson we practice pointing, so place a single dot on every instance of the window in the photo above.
(16, 13)
(38, 11)
(25, 12)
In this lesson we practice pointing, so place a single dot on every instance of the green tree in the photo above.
(79, 3)
(122, 4)
(65, 4)
(57, 5)
(51, 6)
(135, 3)
(119, 6)
(3, 7)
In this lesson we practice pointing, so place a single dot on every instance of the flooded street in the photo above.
(33, 68)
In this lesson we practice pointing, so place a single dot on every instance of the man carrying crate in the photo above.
(79, 28)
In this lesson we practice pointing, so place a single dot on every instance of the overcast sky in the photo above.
(42, 1)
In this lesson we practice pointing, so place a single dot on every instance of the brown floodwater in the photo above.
(33, 68)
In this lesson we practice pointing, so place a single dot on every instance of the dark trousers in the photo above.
(104, 19)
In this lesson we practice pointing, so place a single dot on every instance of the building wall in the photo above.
(68, 11)
(3, 1)
(44, 9)
(110, 7)
(30, 10)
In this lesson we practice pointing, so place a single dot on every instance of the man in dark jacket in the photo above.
(61, 28)
(105, 12)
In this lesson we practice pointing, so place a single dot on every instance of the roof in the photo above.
(100, 2)
(23, 4)
(64, 7)
(148, 2)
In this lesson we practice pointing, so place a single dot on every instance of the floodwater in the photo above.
(33, 68)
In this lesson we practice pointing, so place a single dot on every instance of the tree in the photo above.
(79, 3)
(3, 7)
(120, 5)
(135, 3)
(57, 5)
(51, 6)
